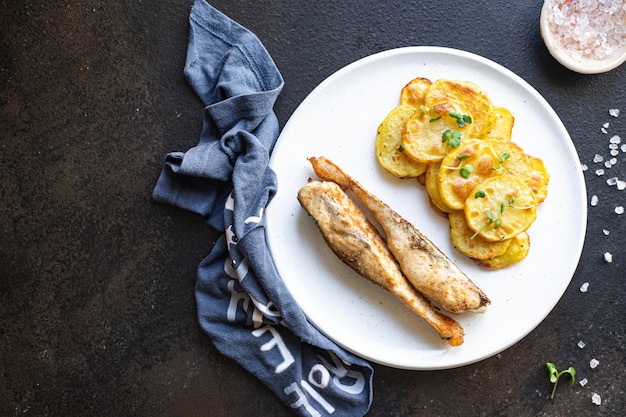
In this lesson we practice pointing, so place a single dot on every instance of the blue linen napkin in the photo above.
(242, 302)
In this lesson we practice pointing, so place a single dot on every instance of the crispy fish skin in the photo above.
(426, 267)
(358, 244)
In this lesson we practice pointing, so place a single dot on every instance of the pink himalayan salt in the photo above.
(592, 29)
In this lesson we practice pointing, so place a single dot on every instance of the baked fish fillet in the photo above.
(424, 265)
(358, 244)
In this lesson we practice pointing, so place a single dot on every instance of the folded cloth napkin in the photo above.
(242, 302)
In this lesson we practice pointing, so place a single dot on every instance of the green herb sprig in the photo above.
(464, 169)
(555, 374)
(501, 160)
(493, 219)
(427, 111)
(452, 137)
(461, 119)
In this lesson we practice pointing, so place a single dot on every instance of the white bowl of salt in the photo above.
(586, 36)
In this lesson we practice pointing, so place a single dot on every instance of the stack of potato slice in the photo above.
(450, 136)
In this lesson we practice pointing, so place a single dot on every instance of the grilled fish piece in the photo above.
(426, 267)
(359, 245)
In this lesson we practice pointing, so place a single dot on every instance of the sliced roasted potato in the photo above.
(422, 139)
(502, 124)
(454, 186)
(389, 149)
(539, 179)
(529, 169)
(432, 187)
(471, 244)
(476, 100)
(413, 93)
(517, 250)
(500, 207)
(511, 159)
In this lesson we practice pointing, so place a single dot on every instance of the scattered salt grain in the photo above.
(598, 158)
(614, 112)
(594, 200)
(580, 344)
(606, 125)
(614, 152)
(584, 287)
(599, 172)
(619, 210)
(583, 382)
(621, 185)
(612, 181)
(595, 398)
(584, 167)
(603, 130)
(594, 363)
(615, 139)
(608, 257)
(606, 232)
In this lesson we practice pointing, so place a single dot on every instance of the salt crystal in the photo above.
(594, 200)
(607, 164)
(614, 152)
(580, 344)
(584, 287)
(613, 161)
(583, 382)
(608, 257)
(619, 210)
(606, 232)
(584, 167)
(594, 363)
(603, 130)
(613, 146)
(612, 181)
(606, 125)
(595, 398)
(598, 158)
(599, 172)
(615, 139)
(621, 185)
(614, 112)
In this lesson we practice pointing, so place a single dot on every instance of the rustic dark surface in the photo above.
(97, 314)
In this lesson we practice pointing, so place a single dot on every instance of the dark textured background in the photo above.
(97, 314)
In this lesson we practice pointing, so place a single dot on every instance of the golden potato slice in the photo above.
(432, 187)
(511, 159)
(422, 139)
(519, 164)
(502, 124)
(500, 207)
(413, 93)
(517, 250)
(476, 100)
(389, 149)
(454, 185)
(539, 179)
(471, 244)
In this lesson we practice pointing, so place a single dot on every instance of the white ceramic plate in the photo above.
(339, 120)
